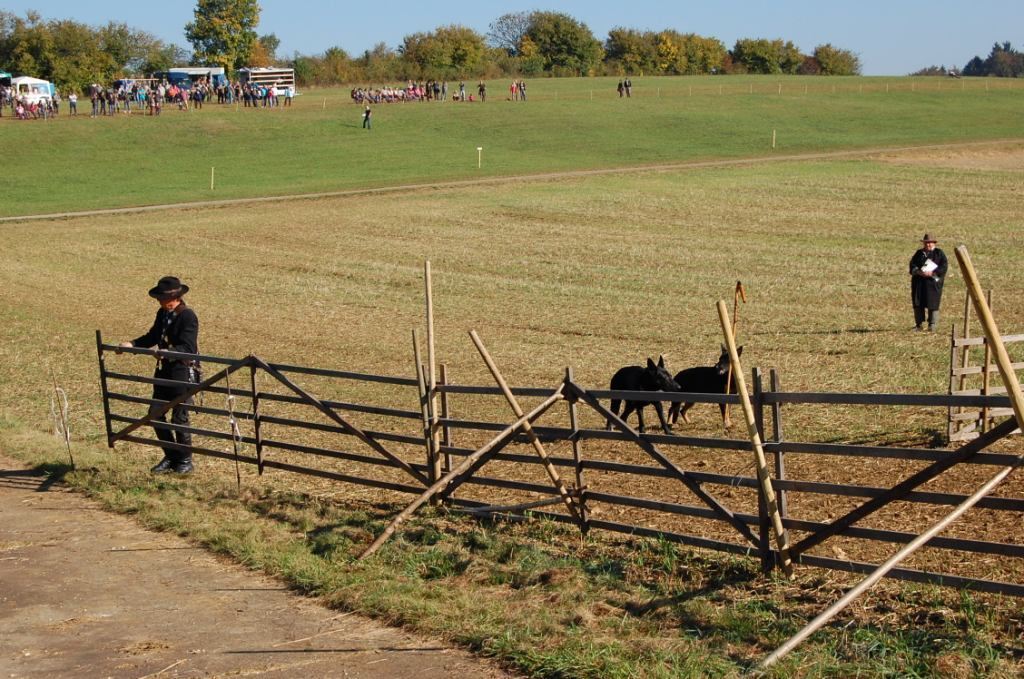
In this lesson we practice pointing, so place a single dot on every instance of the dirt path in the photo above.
(546, 176)
(85, 593)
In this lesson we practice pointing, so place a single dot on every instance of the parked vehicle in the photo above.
(32, 90)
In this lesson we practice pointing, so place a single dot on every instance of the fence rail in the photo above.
(391, 449)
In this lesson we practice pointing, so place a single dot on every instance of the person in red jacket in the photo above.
(176, 329)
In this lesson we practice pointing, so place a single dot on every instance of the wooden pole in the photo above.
(527, 429)
(446, 432)
(432, 373)
(965, 354)
(421, 383)
(256, 420)
(466, 464)
(581, 489)
(738, 293)
(780, 461)
(882, 570)
(763, 477)
(986, 376)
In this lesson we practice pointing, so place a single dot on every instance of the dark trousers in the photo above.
(919, 315)
(179, 414)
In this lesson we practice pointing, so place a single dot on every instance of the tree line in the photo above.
(73, 55)
(533, 44)
(543, 43)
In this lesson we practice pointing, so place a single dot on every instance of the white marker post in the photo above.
(211, 178)
(479, 156)
(773, 139)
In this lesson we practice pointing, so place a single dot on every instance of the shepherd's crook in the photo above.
(738, 294)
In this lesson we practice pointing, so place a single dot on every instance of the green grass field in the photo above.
(589, 272)
(319, 145)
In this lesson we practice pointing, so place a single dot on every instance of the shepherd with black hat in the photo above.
(927, 274)
(176, 329)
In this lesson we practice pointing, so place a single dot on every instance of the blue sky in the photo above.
(892, 37)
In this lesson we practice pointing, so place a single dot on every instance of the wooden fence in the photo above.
(965, 379)
(288, 428)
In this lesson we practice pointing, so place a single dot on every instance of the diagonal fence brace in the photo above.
(652, 450)
(345, 424)
(475, 459)
(900, 490)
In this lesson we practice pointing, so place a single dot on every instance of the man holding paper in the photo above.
(927, 273)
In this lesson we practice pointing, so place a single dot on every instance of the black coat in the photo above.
(176, 330)
(926, 291)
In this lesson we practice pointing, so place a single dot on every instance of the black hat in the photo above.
(928, 238)
(168, 287)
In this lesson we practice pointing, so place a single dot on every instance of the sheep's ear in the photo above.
(725, 349)
(650, 364)
(739, 351)
(661, 361)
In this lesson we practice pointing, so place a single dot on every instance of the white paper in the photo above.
(929, 266)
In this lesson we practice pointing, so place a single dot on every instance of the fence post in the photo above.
(425, 415)
(446, 431)
(581, 489)
(103, 388)
(780, 462)
(431, 376)
(256, 420)
(985, 377)
(764, 521)
(950, 424)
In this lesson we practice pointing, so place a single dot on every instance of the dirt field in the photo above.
(84, 593)
(993, 159)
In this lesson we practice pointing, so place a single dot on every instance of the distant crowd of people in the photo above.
(23, 108)
(152, 98)
(147, 97)
(430, 90)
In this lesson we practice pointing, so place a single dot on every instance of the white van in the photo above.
(32, 90)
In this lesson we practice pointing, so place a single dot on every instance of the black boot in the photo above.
(163, 466)
(183, 466)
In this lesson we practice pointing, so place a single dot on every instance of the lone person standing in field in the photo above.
(927, 274)
(175, 329)
(366, 118)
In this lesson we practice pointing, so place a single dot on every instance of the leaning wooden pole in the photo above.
(466, 464)
(527, 429)
(763, 477)
(882, 570)
(1009, 376)
(424, 395)
(435, 437)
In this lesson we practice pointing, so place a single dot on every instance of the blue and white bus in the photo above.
(187, 76)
